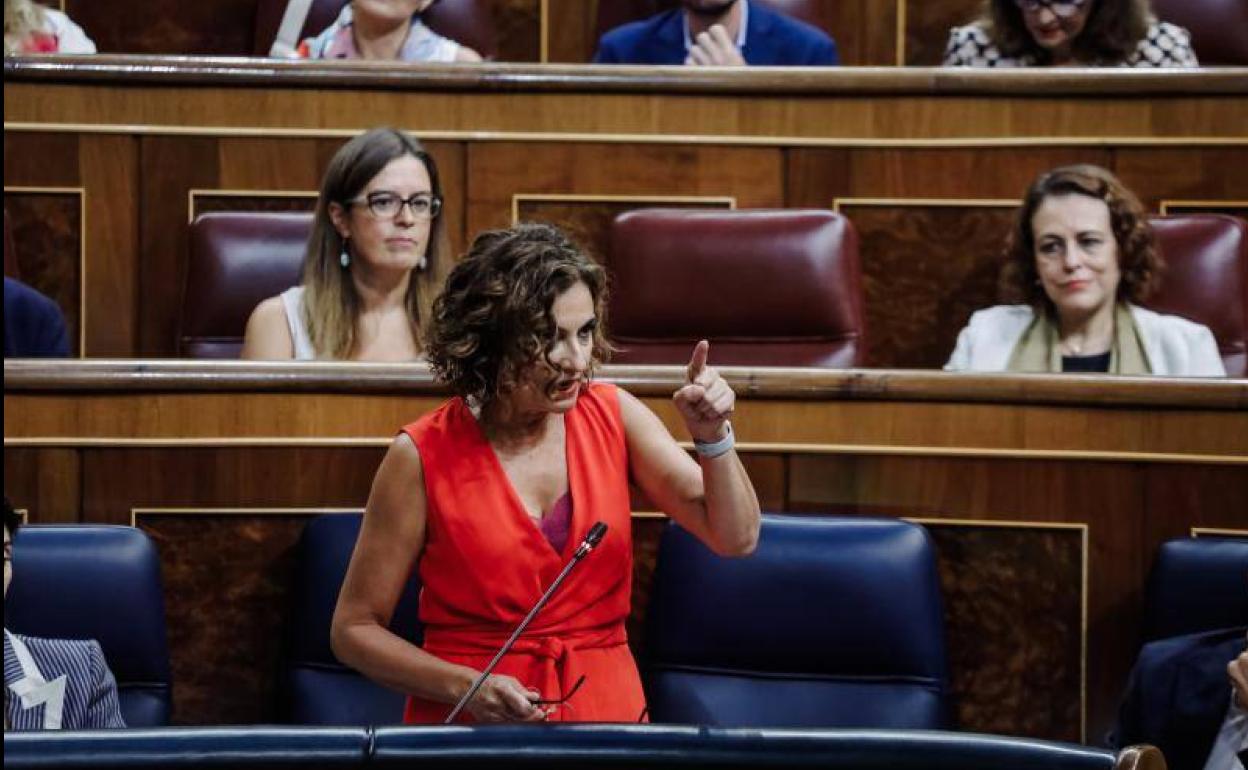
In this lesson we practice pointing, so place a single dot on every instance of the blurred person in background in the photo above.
(384, 30)
(1078, 33)
(32, 28)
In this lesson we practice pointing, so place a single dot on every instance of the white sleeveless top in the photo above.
(292, 302)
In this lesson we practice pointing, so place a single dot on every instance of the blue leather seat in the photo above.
(1197, 584)
(103, 583)
(832, 622)
(319, 689)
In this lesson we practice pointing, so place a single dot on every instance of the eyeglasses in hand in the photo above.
(564, 700)
(384, 204)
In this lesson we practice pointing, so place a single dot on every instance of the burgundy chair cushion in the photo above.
(11, 269)
(469, 22)
(767, 288)
(1219, 27)
(236, 261)
(817, 13)
(1206, 279)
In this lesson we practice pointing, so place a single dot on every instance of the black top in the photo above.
(1098, 363)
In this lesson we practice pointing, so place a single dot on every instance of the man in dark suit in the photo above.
(53, 684)
(33, 324)
(718, 33)
(1188, 695)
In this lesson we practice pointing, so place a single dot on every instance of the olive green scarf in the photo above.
(1038, 351)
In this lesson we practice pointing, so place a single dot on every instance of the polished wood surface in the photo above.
(1025, 482)
(926, 163)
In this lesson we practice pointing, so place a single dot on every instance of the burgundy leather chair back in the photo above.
(11, 269)
(469, 22)
(767, 288)
(1219, 27)
(817, 13)
(236, 260)
(1206, 279)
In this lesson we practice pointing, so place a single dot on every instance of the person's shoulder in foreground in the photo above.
(88, 696)
(1177, 697)
(33, 324)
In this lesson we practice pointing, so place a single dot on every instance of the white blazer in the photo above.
(1176, 347)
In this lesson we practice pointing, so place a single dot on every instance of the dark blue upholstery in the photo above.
(1197, 584)
(320, 690)
(232, 747)
(580, 746)
(832, 622)
(103, 583)
(588, 745)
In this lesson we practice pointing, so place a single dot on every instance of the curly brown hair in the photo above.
(1113, 31)
(494, 317)
(1138, 257)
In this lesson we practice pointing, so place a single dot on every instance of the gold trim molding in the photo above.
(813, 449)
(207, 192)
(518, 198)
(624, 138)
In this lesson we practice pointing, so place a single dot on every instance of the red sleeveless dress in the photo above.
(486, 563)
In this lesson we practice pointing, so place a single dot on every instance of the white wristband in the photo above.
(716, 448)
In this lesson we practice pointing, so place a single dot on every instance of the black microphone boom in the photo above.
(592, 538)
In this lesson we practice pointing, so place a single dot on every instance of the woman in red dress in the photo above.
(489, 495)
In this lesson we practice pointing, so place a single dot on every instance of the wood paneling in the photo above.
(110, 174)
(927, 26)
(217, 27)
(922, 262)
(47, 483)
(804, 140)
(858, 443)
(1014, 627)
(47, 228)
(170, 167)
(500, 170)
(588, 220)
(517, 25)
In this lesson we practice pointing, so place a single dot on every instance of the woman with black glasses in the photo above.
(376, 257)
(1078, 33)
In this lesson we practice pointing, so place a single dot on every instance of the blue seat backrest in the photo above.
(832, 622)
(319, 689)
(98, 582)
(1197, 584)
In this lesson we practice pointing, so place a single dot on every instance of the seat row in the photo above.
(767, 287)
(835, 622)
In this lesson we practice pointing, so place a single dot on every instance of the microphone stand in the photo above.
(592, 538)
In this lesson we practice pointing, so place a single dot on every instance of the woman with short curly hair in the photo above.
(1081, 255)
(1092, 33)
(490, 494)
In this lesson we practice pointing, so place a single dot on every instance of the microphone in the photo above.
(591, 541)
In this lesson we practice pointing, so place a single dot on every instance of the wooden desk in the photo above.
(108, 158)
(1046, 497)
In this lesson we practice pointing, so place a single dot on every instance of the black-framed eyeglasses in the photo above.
(1063, 8)
(384, 204)
(564, 699)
